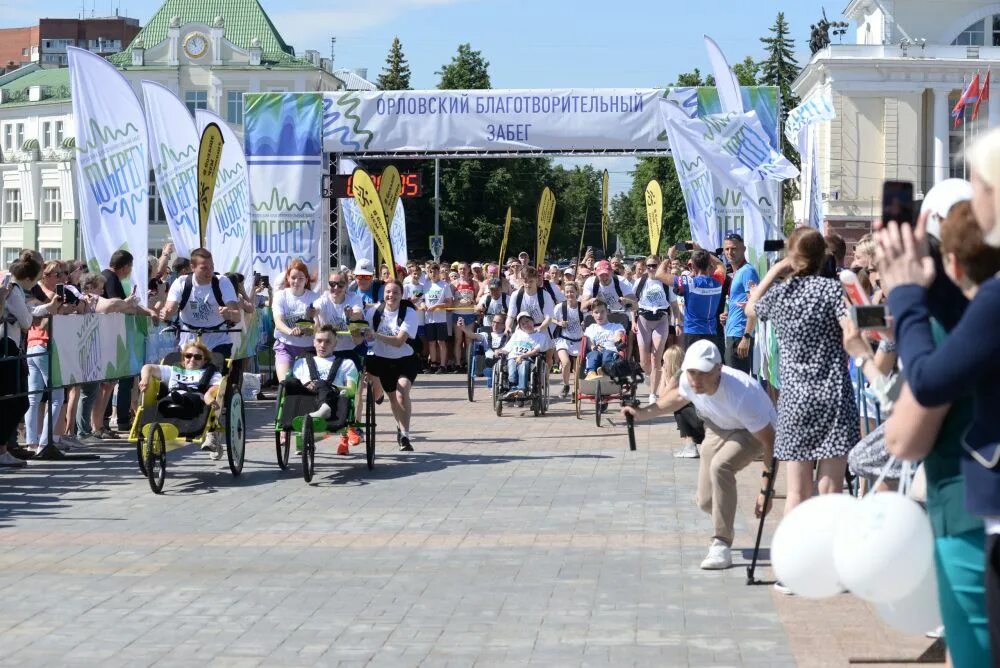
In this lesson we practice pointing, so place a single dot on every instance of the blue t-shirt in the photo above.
(701, 303)
(743, 282)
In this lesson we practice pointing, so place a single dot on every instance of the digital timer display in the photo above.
(411, 184)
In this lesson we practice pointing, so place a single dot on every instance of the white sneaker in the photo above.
(782, 589)
(689, 451)
(9, 460)
(718, 558)
(212, 444)
(652, 397)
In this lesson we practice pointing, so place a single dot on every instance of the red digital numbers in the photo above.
(410, 184)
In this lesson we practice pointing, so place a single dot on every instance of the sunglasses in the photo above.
(194, 356)
(650, 266)
(337, 284)
(734, 237)
(58, 273)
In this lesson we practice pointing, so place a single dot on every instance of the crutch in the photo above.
(768, 492)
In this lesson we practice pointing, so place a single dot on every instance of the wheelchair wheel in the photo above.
(470, 365)
(597, 405)
(369, 426)
(498, 388)
(545, 389)
(308, 449)
(156, 458)
(577, 402)
(283, 446)
(236, 437)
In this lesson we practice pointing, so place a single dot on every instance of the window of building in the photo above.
(51, 205)
(59, 134)
(46, 134)
(12, 205)
(24, 53)
(18, 136)
(8, 137)
(10, 256)
(196, 99)
(51, 254)
(234, 107)
(974, 35)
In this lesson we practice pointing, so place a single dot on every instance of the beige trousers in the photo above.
(723, 454)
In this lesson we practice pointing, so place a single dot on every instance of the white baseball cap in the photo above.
(941, 198)
(364, 268)
(702, 356)
(476, 265)
(524, 314)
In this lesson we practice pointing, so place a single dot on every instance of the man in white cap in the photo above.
(739, 420)
(365, 285)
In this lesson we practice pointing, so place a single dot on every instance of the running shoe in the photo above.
(652, 397)
(719, 557)
(593, 375)
(565, 391)
(353, 436)
(404, 444)
(689, 451)
(781, 588)
(342, 448)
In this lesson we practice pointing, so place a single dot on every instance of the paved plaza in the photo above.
(499, 542)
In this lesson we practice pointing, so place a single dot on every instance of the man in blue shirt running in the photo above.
(739, 342)
(701, 293)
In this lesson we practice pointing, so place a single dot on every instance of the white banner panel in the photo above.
(492, 120)
(362, 243)
(173, 145)
(112, 165)
(230, 228)
(397, 235)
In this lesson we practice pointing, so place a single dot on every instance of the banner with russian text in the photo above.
(230, 228)
(112, 171)
(284, 155)
(173, 146)
(370, 205)
(92, 347)
(654, 215)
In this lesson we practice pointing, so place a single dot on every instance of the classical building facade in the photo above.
(893, 90)
(208, 52)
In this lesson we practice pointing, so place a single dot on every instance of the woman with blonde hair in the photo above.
(690, 426)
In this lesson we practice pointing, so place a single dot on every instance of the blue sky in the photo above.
(529, 43)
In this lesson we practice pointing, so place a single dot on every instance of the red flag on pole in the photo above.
(969, 96)
(984, 94)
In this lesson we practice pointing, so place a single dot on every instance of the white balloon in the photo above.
(802, 549)
(919, 612)
(884, 548)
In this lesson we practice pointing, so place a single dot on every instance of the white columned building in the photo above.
(893, 89)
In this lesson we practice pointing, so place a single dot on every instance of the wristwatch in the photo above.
(746, 335)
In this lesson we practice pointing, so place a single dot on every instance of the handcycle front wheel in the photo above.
(597, 404)
(140, 454)
(308, 449)
(369, 426)
(156, 458)
(236, 437)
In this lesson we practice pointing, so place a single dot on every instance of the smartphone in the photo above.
(61, 292)
(774, 245)
(870, 316)
(265, 281)
(6, 281)
(897, 202)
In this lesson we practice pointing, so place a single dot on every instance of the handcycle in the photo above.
(538, 386)
(603, 389)
(291, 419)
(155, 434)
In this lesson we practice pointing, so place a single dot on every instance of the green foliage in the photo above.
(396, 73)
(747, 72)
(467, 70)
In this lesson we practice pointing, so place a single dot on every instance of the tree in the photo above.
(747, 72)
(780, 69)
(467, 70)
(396, 73)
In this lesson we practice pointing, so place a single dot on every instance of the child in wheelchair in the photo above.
(607, 340)
(525, 344)
(190, 388)
(331, 378)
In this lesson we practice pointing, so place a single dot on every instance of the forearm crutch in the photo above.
(768, 492)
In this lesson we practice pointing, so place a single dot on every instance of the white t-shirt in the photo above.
(415, 291)
(437, 293)
(530, 304)
(606, 336)
(328, 312)
(739, 403)
(390, 327)
(608, 292)
(574, 328)
(179, 378)
(291, 309)
(522, 342)
(202, 310)
(655, 296)
(347, 374)
(560, 296)
(496, 305)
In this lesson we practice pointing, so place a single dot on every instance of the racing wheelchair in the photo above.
(538, 387)
(292, 420)
(605, 388)
(155, 433)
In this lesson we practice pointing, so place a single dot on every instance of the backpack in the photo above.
(314, 371)
(547, 286)
(618, 286)
(565, 316)
(189, 285)
(648, 315)
(404, 306)
(520, 298)
(489, 300)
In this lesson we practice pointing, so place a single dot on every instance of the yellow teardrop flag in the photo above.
(604, 211)
(389, 190)
(366, 195)
(583, 230)
(654, 215)
(546, 212)
(209, 157)
(506, 234)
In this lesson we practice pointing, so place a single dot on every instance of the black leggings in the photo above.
(13, 380)
(689, 424)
